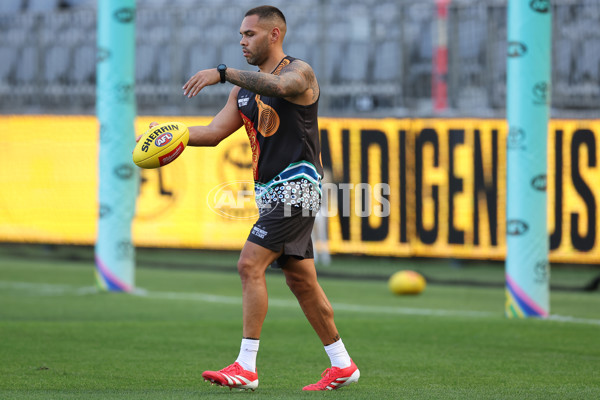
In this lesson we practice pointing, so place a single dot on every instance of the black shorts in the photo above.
(286, 229)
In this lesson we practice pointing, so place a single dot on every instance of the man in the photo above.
(278, 107)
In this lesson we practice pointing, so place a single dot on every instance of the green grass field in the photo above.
(61, 339)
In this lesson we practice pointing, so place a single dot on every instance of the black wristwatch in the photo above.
(222, 68)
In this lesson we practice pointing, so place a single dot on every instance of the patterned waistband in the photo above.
(293, 172)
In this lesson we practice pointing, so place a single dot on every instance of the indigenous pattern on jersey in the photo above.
(284, 138)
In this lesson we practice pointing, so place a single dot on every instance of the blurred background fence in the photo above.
(372, 57)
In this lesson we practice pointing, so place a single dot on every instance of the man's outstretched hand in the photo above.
(200, 80)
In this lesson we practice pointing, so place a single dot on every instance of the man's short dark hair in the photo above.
(266, 12)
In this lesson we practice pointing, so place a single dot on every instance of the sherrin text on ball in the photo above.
(161, 145)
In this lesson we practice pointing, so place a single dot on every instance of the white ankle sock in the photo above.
(248, 352)
(338, 355)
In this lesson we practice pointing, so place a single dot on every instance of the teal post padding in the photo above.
(527, 107)
(118, 176)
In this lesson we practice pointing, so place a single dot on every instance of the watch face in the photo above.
(221, 68)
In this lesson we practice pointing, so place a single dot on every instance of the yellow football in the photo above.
(161, 145)
(406, 282)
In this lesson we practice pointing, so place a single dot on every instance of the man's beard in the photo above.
(255, 58)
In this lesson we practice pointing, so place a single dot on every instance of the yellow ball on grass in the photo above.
(406, 282)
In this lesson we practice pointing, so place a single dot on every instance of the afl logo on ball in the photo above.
(163, 139)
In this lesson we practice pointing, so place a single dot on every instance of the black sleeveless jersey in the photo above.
(284, 138)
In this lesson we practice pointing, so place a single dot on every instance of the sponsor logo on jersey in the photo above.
(243, 101)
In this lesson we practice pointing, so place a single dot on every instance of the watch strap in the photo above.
(222, 68)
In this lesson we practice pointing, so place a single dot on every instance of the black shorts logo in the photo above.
(261, 233)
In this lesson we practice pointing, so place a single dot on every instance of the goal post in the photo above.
(527, 111)
(117, 175)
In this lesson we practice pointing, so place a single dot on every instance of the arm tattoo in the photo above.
(257, 82)
(292, 81)
(308, 81)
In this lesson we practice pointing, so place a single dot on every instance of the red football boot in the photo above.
(233, 376)
(335, 378)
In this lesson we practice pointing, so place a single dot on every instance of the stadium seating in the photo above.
(198, 57)
(588, 65)
(27, 70)
(42, 5)
(145, 65)
(355, 62)
(387, 61)
(84, 65)
(359, 49)
(58, 61)
(78, 3)
(562, 60)
(9, 57)
(10, 6)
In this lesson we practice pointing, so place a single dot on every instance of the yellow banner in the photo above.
(393, 187)
(204, 199)
(445, 193)
(574, 191)
(48, 173)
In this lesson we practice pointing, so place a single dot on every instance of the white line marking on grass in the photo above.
(409, 311)
(39, 288)
(294, 304)
(49, 289)
(203, 297)
(566, 318)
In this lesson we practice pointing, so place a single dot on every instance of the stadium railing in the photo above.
(372, 58)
